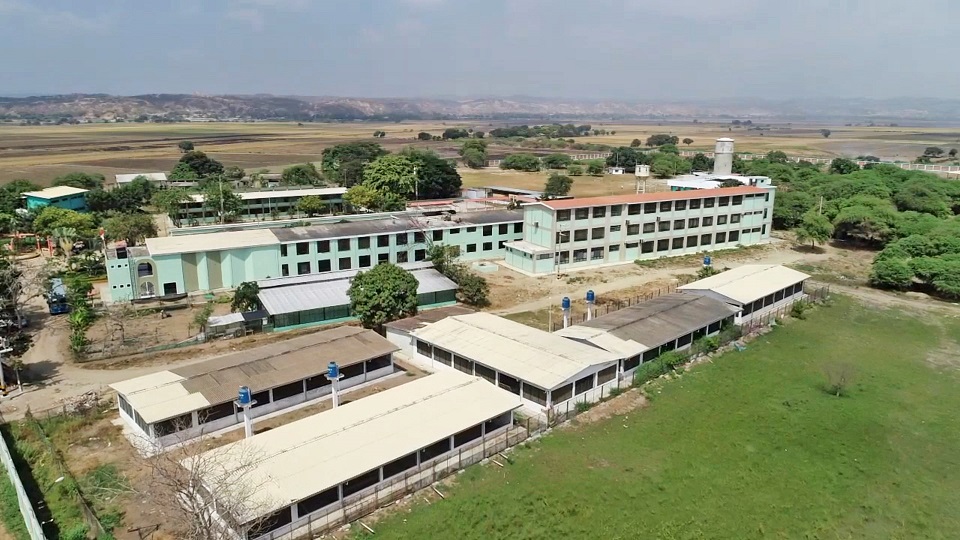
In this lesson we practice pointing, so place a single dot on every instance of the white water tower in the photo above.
(643, 174)
(723, 156)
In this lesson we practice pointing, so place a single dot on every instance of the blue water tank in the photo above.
(244, 396)
(591, 297)
(706, 260)
(333, 370)
(565, 303)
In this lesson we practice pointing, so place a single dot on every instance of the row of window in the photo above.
(771, 299)
(650, 246)
(598, 212)
(383, 240)
(598, 233)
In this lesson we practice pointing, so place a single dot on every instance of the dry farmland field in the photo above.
(41, 153)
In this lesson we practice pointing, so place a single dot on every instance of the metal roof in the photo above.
(182, 390)
(320, 294)
(532, 355)
(331, 276)
(168, 245)
(54, 192)
(277, 193)
(747, 283)
(649, 197)
(151, 176)
(298, 460)
(638, 328)
(428, 316)
(528, 247)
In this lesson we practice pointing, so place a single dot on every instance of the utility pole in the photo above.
(220, 181)
(416, 185)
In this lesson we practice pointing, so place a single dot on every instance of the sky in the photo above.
(632, 50)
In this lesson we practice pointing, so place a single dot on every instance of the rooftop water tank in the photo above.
(244, 397)
(565, 303)
(333, 370)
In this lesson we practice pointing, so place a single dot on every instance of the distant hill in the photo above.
(180, 107)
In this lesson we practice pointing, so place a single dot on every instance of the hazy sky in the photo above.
(612, 49)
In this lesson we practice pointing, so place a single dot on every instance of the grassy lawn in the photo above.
(750, 446)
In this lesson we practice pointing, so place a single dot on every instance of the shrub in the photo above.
(799, 308)
(583, 406)
(615, 391)
(706, 344)
(649, 371)
(730, 332)
(672, 359)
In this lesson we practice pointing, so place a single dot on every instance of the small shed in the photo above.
(67, 197)
(235, 324)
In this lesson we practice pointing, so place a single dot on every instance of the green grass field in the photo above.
(748, 447)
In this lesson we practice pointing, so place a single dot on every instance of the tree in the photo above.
(80, 180)
(305, 174)
(437, 178)
(169, 202)
(245, 297)
(701, 162)
(789, 208)
(626, 157)
(234, 173)
(574, 170)
(65, 237)
(383, 294)
(933, 151)
(132, 228)
(472, 289)
(825, 133)
(11, 195)
(521, 162)
(424, 136)
(312, 205)
(557, 161)
(222, 201)
(891, 274)
(661, 139)
(392, 173)
(343, 164)
(952, 153)
(53, 217)
(668, 165)
(918, 196)
(201, 164)
(185, 146)
(478, 134)
(474, 153)
(379, 134)
(455, 133)
(635, 143)
(776, 156)
(182, 171)
(595, 167)
(557, 185)
(362, 196)
(843, 166)
(839, 376)
(814, 228)
(687, 141)
(669, 149)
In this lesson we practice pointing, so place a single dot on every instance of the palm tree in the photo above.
(65, 236)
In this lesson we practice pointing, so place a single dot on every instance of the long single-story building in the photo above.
(753, 289)
(314, 474)
(643, 331)
(400, 332)
(544, 369)
(263, 204)
(297, 302)
(174, 405)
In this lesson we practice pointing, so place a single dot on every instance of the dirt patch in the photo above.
(625, 403)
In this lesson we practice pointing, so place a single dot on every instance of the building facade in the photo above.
(563, 235)
(67, 197)
(262, 205)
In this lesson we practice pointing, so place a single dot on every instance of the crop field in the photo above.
(41, 153)
(748, 446)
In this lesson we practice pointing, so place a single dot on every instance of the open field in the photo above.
(41, 153)
(747, 446)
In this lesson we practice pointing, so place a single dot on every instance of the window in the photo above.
(705, 239)
(663, 245)
(693, 222)
(579, 255)
(455, 230)
(666, 206)
(419, 237)
(563, 236)
(323, 266)
(721, 220)
(443, 356)
(596, 233)
(402, 239)
(734, 218)
(663, 226)
(402, 257)
(563, 257)
(471, 248)
(363, 242)
(383, 258)
(634, 209)
(615, 228)
(344, 263)
(649, 227)
(488, 230)
(695, 204)
(534, 394)
(343, 244)
(650, 208)
(678, 224)
(364, 261)
(425, 348)
(616, 210)
(487, 246)
(284, 270)
(303, 248)
(383, 241)
(678, 243)
(303, 268)
(463, 364)
(471, 229)
(633, 230)
(708, 203)
(734, 236)
(596, 254)
(614, 248)
(737, 199)
(503, 228)
(563, 215)
(485, 373)
(599, 211)
(580, 235)
(283, 250)
(581, 213)
(724, 201)
(680, 205)
(518, 228)
(708, 221)
(721, 237)
(647, 247)
(583, 384)
(323, 246)
(561, 394)
(144, 269)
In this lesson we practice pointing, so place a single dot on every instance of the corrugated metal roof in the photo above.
(211, 241)
(428, 316)
(292, 462)
(152, 176)
(650, 324)
(747, 283)
(535, 356)
(174, 392)
(321, 294)
(331, 276)
(277, 193)
(649, 197)
(54, 192)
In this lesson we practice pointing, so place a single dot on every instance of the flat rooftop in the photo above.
(306, 457)
(532, 355)
(278, 193)
(747, 283)
(54, 192)
(218, 241)
(151, 176)
(428, 316)
(649, 197)
(171, 393)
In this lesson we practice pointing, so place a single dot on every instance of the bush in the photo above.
(706, 345)
(649, 371)
(615, 391)
(799, 308)
(729, 333)
(583, 406)
(672, 359)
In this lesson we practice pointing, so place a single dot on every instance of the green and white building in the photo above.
(573, 234)
(262, 205)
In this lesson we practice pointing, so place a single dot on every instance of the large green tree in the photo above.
(474, 153)
(220, 200)
(169, 202)
(80, 180)
(393, 173)
(343, 164)
(54, 217)
(666, 165)
(814, 228)
(437, 178)
(304, 174)
(312, 205)
(661, 139)
(133, 228)
(521, 162)
(201, 164)
(557, 185)
(383, 294)
(245, 297)
(557, 161)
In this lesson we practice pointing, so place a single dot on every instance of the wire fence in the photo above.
(609, 306)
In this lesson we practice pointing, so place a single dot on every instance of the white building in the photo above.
(752, 289)
(544, 369)
(158, 177)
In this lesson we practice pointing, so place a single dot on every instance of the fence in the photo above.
(609, 306)
(34, 529)
(928, 167)
(812, 295)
